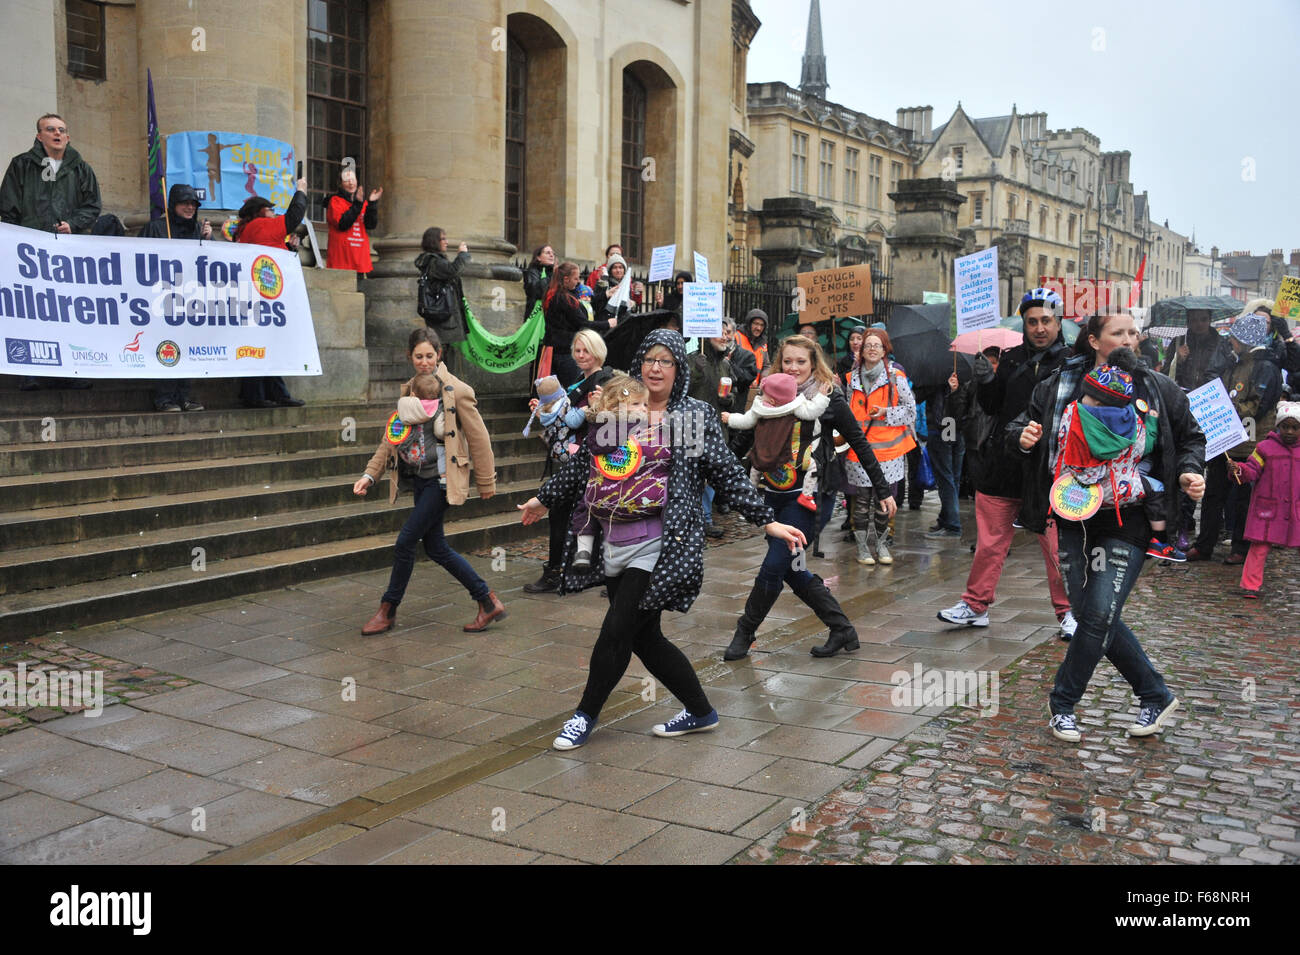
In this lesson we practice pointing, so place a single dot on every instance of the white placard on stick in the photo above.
(661, 262)
(1213, 411)
(702, 309)
(701, 268)
(978, 306)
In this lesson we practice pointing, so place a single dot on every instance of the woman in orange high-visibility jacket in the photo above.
(883, 405)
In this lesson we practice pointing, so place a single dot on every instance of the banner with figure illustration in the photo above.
(228, 169)
(81, 306)
(500, 354)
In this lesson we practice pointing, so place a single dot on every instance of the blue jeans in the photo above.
(946, 458)
(425, 524)
(1097, 599)
(708, 506)
(776, 565)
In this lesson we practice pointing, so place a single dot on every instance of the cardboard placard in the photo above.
(833, 293)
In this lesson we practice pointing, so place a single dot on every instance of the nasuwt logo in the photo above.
(25, 351)
(206, 352)
(168, 354)
(267, 277)
(87, 356)
(248, 351)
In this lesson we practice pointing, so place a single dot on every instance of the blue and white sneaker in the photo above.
(1068, 626)
(684, 723)
(1151, 719)
(963, 615)
(576, 732)
(1064, 727)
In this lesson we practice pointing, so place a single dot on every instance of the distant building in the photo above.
(1202, 272)
(1258, 276)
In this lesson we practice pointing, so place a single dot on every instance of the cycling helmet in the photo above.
(1042, 298)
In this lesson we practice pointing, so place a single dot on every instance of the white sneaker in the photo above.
(882, 554)
(961, 614)
(1068, 626)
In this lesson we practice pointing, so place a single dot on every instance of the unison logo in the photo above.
(64, 689)
(103, 908)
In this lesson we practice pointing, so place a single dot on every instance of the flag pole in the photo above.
(166, 218)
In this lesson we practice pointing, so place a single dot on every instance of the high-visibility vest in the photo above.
(759, 353)
(887, 441)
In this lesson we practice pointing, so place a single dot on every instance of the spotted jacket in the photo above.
(699, 455)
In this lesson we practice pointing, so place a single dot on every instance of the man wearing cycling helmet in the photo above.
(1003, 394)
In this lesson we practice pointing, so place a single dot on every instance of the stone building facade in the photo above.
(1202, 272)
(510, 123)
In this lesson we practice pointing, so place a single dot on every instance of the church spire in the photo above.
(813, 78)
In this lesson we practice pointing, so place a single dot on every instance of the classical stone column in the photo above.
(925, 241)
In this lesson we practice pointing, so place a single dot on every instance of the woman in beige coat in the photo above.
(461, 437)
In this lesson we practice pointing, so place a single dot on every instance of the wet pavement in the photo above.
(269, 730)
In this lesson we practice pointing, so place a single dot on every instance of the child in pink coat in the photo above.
(1274, 518)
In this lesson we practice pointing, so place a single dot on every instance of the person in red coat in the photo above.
(259, 225)
(1274, 518)
(350, 214)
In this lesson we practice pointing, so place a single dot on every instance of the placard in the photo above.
(702, 309)
(701, 268)
(226, 169)
(978, 303)
(82, 306)
(661, 262)
(1287, 303)
(833, 293)
(934, 298)
(1213, 411)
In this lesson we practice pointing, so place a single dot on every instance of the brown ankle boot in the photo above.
(383, 619)
(488, 610)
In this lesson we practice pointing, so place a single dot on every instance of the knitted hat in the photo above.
(549, 390)
(584, 291)
(1109, 385)
(779, 389)
(1288, 409)
(754, 313)
(1251, 330)
(615, 259)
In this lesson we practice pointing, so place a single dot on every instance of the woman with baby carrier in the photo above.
(428, 445)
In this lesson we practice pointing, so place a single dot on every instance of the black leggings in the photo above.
(626, 631)
(560, 519)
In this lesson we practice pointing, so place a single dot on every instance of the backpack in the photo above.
(436, 300)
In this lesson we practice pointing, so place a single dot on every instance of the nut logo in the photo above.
(248, 351)
(267, 277)
(168, 354)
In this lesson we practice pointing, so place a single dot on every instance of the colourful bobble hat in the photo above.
(1110, 385)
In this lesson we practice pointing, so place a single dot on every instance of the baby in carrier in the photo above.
(774, 416)
(1106, 438)
(621, 489)
(559, 419)
(415, 429)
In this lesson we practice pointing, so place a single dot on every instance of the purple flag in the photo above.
(157, 201)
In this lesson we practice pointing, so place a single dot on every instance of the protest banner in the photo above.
(102, 307)
(661, 262)
(1083, 298)
(1287, 303)
(978, 305)
(833, 293)
(227, 169)
(701, 268)
(702, 309)
(1213, 411)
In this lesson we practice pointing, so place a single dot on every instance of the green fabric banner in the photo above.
(496, 354)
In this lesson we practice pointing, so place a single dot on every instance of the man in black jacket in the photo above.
(182, 222)
(1004, 394)
(50, 187)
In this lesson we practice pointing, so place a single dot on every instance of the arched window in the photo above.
(516, 141)
(632, 226)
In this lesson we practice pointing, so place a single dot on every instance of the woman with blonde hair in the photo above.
(781, 477)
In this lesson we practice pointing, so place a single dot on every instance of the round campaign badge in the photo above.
(622, 461)
(1074, 501)
(1141, 406)
(396, 431)
(782, 478)
(267, 277)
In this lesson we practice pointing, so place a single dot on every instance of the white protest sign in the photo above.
(661, 262)
(1213, 411)
(702, 309)
(104, 307)
(977, 291)
(701, 268)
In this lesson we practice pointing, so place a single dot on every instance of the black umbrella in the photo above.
(1169, 316)
(921, 347)
(625, 338)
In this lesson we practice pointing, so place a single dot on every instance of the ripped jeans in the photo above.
(1099, 582)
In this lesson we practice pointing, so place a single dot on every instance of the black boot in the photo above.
(548, 583)
(823, 603)
(756, 608)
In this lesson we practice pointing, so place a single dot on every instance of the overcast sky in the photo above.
(1202, 94)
